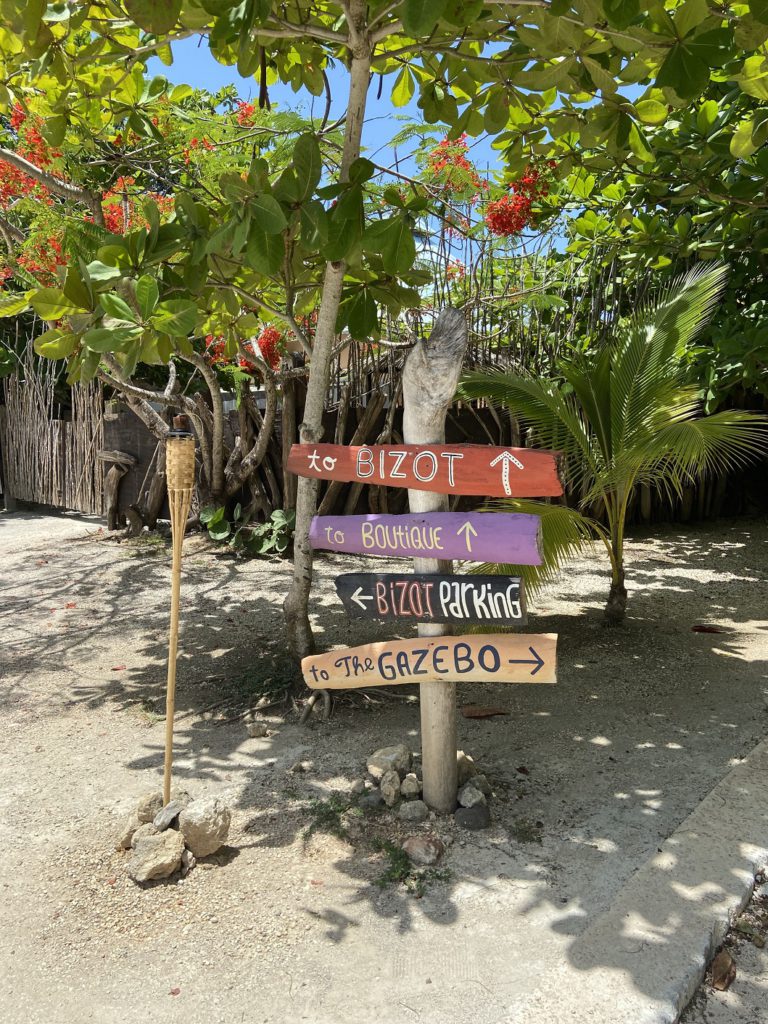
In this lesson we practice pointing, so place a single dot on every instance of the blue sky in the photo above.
(194, 64)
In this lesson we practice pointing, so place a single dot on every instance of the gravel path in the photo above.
(590, 775)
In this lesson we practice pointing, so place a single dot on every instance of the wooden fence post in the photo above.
(430, 377)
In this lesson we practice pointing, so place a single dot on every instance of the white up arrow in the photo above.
(505, 458)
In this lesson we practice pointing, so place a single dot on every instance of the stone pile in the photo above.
(165, 839)
(396, 785)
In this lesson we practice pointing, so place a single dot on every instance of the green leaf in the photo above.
(56, 344)
(314, 225)
(264, 253)
(176, 317)
(268, 214)
(155, 16)
(211, 514)
(759, 10)
(52, 304)
(393, 240)
(621, 13)
(421, 16)
(684, 72)
(706, 116)
(147, 295)
(753, 79)
(98, 271)
(117, 308)
(403, 89)
(360, 314)
(651, 111)
(13, 303)
(106, 339)
(750, 135)
(307, 165)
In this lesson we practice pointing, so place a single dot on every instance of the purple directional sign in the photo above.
(475, 536)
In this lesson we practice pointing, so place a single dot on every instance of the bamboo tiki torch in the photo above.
(180, 478)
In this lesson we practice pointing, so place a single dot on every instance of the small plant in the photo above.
(326, 816)
(401, 871)
(271, 537)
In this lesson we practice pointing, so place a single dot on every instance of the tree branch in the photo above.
(59, 187)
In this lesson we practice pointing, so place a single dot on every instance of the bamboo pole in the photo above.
(180, 476)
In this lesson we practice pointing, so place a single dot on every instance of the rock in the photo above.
(124, 843)
(149, 805)
(389, 787)
(187, 862)
(473, 818)
(396, 758)
(357, 788)
(413, 810)
(298, 768)
(469, 795)
(256, 730)
(371, 800)
(166, 817)
(410, 787)
(481, 782)
(156, 856)
(181, 796)
(205, 825)
(465, 767)
(147, 829)
(424, 850)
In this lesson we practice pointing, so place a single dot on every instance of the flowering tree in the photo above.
(286, 241)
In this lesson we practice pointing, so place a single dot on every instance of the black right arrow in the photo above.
(538, 661)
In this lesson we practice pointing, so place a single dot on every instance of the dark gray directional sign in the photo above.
(433, 598)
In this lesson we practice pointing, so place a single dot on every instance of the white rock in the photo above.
(389, 787)
(147, 829)
(357, 788)
(256, 730)
(148, 806)
(410, 787)
(124, 843)
(156, 856)
(469, 795)
(413, 810)
(205, 825)
(481, 782)
(397, 758)
(424, 850)
(187, 862)
(465, 767)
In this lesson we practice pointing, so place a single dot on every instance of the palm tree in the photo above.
(623, 414)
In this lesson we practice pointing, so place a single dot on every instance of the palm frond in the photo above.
(565, 533)
(646, 357)
(554, 416)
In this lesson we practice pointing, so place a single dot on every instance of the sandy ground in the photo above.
(589, 776)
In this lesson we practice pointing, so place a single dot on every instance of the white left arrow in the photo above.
(505, 459)
(359, 599)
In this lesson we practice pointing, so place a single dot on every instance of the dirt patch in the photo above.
(589, 776)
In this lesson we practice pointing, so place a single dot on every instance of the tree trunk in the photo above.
(430, 377)
(616, 605)
(296, 606)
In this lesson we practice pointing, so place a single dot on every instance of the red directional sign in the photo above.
(447, 469)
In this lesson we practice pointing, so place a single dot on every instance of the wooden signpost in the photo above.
(446, 469)
(528, 658)
(433, 536)
(478, 536)
(433, 598)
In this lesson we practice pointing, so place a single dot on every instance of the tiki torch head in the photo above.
(180, 456)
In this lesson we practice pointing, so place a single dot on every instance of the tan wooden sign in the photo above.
(520, 658)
